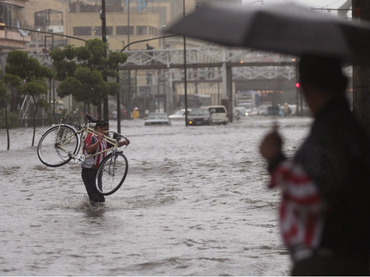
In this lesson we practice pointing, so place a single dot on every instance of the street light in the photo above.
(145, 40)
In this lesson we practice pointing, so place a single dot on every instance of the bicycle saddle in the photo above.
(90, 118)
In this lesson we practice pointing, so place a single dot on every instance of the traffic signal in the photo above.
(297, 85)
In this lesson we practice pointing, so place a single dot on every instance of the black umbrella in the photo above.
(283, 28)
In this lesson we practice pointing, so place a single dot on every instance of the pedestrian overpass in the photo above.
(210, 70)
(208, 62)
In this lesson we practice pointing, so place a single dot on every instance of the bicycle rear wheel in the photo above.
(57, 145)
(111, 173)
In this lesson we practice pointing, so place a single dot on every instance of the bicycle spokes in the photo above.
(111, 173)
(58, 145)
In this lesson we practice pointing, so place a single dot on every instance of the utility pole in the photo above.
(185, 74)
(128, 92)
(104, 39)
(128, 23)
(361, 73)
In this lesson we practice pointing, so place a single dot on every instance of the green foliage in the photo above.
(69, 52)
(46, 72)
(13, 119)
(113, 88)
(82, 53)
(83, 71)
(72, 86)
(4, 95)
(57, 55)
(43, 103)
(28, 76)
(14, 61)
(4, 102)
(27, 68)
(99, 92)
(35, 88)
(13, 81)
(65, 69)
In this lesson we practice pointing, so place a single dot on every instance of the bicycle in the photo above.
(61, 144)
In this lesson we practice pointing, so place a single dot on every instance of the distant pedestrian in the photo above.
(136, 113)
(324, 213)
(287, 111)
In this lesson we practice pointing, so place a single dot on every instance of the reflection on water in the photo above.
(194, 203)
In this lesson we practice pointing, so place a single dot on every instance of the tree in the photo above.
(6, 84)
(31, 76)
(83, 71)
(4, 102)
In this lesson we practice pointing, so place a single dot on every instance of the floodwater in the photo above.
(194, 202)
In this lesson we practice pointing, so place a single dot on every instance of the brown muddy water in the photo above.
(194, 202)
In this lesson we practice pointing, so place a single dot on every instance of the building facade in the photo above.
(13, 33)
(126, 21)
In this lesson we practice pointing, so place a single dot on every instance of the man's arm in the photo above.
(271, 149)
(124, 142)
(91, 148)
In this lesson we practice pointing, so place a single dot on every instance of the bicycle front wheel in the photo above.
(57, 146)
(111, 173)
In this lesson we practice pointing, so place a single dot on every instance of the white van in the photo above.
(218, 114)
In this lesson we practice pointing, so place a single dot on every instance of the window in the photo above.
(123, 30)
(109, 30)
(98, 32)
(82, 31)
(149, 78)
(141, 30)
(153, 31)
(8, 14)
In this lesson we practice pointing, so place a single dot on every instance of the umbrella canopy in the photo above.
(283, 28)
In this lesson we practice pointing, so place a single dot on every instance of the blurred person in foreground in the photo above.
(95, 143)
(324, 211)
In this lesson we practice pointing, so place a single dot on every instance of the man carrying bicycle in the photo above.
(95, 143)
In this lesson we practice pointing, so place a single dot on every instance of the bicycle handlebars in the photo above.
(116, 136)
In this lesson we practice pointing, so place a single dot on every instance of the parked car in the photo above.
(199, 117)
(157, 119)
(274, 110)
(262, 110)
(246, 105)
(218, 114)
(180, 114)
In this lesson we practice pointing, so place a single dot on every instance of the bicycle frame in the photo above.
(61, 144)
(81, 134)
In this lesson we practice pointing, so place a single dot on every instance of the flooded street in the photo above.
(194, 202)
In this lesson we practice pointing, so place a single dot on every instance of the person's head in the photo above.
(321, 80)
(102, 126)
(323, 74)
